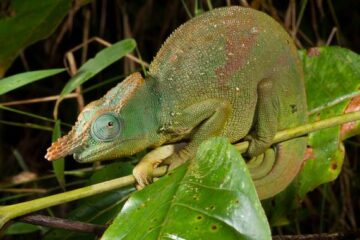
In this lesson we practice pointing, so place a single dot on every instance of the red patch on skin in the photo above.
(309, 154)
(313, 52)
(237, 49)
(173, 58)
(353, 106)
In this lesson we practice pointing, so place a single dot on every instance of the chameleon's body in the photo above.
(232, 72)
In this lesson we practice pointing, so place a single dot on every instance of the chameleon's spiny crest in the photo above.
(112, 102)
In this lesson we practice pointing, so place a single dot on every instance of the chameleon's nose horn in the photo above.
(62, 147)
(55, 151)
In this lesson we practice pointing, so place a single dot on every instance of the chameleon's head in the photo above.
(98, 133)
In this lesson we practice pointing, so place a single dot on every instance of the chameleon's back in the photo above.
(224, 54)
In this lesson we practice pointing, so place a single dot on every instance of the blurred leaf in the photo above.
(59, 164)
(98, 209)
(27, 22)
(211, 197)
(21, 79)
(93, 66)
(330, 73)
(21, 228)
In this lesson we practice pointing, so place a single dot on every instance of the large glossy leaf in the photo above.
(213, 197)
(330, 73)
(93, 66)
(25, 22)
(98, 209)
(21, 79)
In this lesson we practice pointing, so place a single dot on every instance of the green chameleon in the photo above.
(230, 72)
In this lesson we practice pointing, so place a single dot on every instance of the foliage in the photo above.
(13, 82)
(42, 17)
(331, 73)
(211, 197)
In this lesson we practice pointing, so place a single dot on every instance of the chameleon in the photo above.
(231, 72)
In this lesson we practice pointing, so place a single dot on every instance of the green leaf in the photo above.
(21, 79)
(330, 73)
(99, 209)
(211, 197)
(59, 164)
(21, 228)
(26, 22)
(93, 66)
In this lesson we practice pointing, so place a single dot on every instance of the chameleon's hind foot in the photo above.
(143, 171)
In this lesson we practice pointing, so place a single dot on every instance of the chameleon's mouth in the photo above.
(91, 154)
(107, 151)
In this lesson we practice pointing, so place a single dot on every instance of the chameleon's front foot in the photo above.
(143, 171)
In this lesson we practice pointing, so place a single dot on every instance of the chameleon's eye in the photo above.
(106, 127)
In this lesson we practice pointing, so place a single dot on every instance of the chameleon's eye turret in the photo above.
(106, 127)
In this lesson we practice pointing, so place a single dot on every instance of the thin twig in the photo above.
(24, 190)
(61, 223)
(331, 36)
(26, 125)
(244, 3)
(322, 236)
(24, 61)
(186, 9)
(38, 100)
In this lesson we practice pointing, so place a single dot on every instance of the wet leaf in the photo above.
(331, 73)
(213, 197)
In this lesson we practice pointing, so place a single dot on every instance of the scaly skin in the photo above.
(231, 71)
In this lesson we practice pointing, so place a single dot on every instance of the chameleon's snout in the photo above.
(57, 149)
(64, 146)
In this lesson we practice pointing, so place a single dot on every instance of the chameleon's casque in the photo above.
(231, 71)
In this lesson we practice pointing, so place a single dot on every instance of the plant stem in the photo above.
(15, 210)
(307, 128)
(12, 211)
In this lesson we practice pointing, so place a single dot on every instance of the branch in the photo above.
(61, 223)
(322, 236)
(98, 230)
(15, 210)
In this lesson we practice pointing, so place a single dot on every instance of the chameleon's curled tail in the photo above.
(289, 159)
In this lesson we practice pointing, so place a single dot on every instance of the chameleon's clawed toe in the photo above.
(143, 174)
